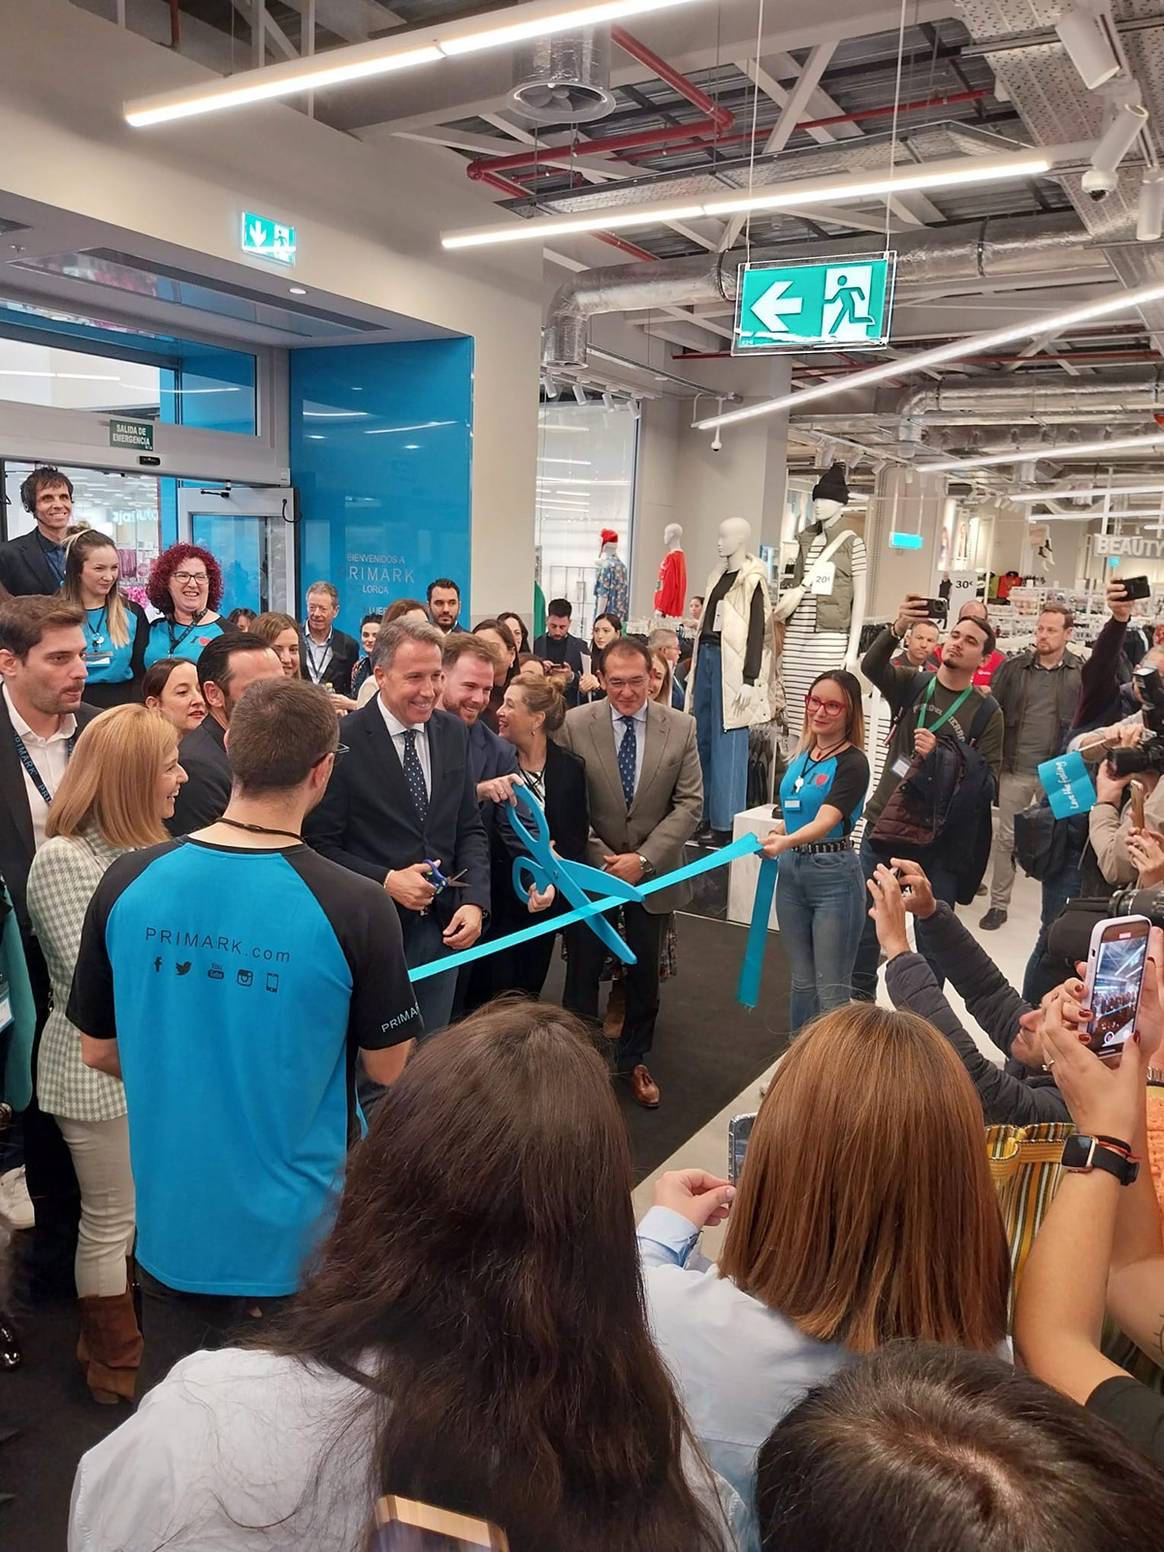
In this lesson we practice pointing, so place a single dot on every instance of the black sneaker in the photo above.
(993, 919)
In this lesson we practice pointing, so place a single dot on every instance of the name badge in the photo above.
(97, 659)
(824, 574)
(901, 766)
(791, 805)
(717, 623)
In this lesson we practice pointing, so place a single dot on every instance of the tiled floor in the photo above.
(1009, 948)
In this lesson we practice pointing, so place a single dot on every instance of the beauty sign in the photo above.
(1068, 785)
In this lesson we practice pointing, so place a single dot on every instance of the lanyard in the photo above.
(315, 668)
(176, 641)
(809, 765)
(97, 637)
(34, 775)
(536, 782)
(949, 711)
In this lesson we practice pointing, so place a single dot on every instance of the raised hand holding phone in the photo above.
(1116, 964)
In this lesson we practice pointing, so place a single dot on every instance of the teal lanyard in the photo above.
(949, 712)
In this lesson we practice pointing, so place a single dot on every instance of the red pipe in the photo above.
(506, 187)
(676, 81)
(175, 25)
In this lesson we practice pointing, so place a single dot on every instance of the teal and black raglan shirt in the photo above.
(239, 986)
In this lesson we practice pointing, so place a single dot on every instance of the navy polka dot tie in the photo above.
(414, 775)
(627, 751)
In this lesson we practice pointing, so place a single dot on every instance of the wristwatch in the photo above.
(647, 867)
(1082, 1153)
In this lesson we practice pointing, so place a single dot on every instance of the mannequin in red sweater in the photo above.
(671, 592)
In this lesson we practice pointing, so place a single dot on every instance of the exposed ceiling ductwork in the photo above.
(1042, 405)
(977, 251)
(563, 79)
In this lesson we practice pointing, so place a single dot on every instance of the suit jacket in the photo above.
(368, 822)
(668, 801)
(24, 567)
(563, 649)
(345, 654)
(17, 842)
(203, 797)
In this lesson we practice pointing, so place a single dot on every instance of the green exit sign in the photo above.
(138, 434)
(819, 305)
(266, 238)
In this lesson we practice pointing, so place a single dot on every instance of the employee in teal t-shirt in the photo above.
(820, 893)
(115, 628)
(185, 586)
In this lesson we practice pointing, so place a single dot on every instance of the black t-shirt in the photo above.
(238, 985)
(1133, 1409)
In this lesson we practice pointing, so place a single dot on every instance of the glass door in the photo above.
(252, 533)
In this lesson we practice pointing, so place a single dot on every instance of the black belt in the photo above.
(819, 846)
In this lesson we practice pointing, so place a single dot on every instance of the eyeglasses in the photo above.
(626, 684)
(190, 576)
(830, 708)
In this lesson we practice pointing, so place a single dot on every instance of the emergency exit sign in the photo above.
(138, 434)
(819, 305)
(265, 238)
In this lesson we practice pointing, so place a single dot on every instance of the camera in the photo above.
(1148, 755)
(1097, 184)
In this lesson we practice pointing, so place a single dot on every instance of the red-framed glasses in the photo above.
(813, 704)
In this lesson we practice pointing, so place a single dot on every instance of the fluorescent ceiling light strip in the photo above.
(956, 350)
(1067, 492)
(399, 51)
(807, 191)
(1043, 450)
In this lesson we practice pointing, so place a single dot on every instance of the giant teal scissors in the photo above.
(576, 880)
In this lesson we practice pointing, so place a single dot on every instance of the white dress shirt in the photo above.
(50, 756)
(640, 721)
(397, 729)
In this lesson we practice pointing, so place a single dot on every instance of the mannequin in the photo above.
(824, 628)
(611, 589)
(729, 688)
(671, 593)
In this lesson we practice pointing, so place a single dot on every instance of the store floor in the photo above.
(711, 1060)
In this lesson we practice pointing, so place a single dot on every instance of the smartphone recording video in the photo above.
(1115, 973)
(739, 1133)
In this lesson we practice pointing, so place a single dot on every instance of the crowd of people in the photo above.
(341, 1221)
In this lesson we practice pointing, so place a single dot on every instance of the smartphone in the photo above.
(1136, 587)
(739, 1133)
(1137, 802)
(1115, 973)
(403, 1525)
(937, 608)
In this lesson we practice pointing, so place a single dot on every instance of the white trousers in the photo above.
(100, 1151)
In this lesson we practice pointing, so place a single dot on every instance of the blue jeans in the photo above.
(944, 886)
(723, 755)
(820, 906)
(1043, 970)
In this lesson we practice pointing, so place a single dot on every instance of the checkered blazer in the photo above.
(64, 875)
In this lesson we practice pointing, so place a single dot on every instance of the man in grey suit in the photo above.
(645, 789)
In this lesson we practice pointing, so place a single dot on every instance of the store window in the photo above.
(125, 506)
(586, 482)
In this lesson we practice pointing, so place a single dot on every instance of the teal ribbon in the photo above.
(748, 989)
(744, 847)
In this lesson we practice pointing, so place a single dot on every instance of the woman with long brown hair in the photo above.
(865, 1212)
(472, 1335)
(281, 634)
(115, 627)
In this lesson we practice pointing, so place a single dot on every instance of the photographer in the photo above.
(1099, 1247)
(1111, 822)
(1012, 1024)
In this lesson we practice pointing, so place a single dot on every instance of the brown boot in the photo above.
(110, 1347)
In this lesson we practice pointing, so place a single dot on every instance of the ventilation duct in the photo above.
(980, 250)
(564, 79)
(1041, 405)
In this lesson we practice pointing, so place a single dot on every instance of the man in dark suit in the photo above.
(228, 664)
(35, 563)
(42, 663)
(561, 652)
(329, 655)
(405, 796)
(645, 787)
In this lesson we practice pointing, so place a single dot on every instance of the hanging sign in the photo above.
(266, 238)
(1138, 546)
(814, 305)
(138, 434)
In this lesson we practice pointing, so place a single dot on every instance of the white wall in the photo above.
(368, 219)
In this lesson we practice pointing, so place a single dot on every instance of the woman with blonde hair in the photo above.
(115, 628)
(281, 634)
(660, 682)
(114, 797)
(865, 1212)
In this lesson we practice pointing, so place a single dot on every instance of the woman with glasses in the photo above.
(185, 587)
(820, 897)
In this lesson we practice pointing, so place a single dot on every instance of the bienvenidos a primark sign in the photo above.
(1136, 546)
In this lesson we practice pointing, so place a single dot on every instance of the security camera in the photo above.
(717, 442)
(1097, 183)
